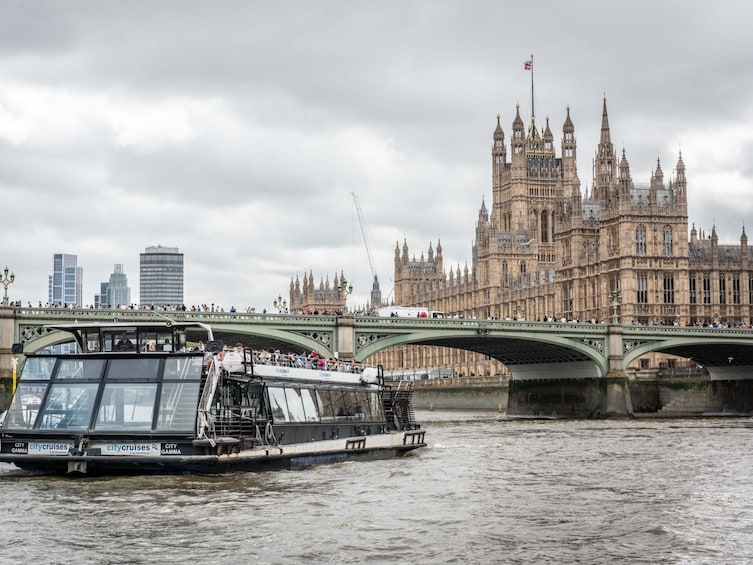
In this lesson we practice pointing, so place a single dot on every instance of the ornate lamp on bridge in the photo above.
(6, 281)
(615, 299)
(344, 289)
(280, 303)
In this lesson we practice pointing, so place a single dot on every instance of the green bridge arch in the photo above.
(523, 346)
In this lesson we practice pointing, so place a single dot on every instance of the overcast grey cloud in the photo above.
(237, 131)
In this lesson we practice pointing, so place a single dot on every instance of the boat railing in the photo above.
(205, 422)
(398, 407)
(294, 361)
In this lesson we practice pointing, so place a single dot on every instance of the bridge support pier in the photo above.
(345, 338)
(617, 397)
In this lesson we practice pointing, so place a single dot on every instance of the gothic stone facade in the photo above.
(310, 298)
(545, 251)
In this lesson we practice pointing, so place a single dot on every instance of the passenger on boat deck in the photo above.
(167, 346)
(124, 344)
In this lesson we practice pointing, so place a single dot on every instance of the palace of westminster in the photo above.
(544, 251)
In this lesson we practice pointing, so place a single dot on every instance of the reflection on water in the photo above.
(487, 489)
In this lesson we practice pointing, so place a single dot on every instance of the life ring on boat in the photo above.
(232, 362)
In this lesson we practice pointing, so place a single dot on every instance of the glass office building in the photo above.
(66, 281)
(114, 293)
(161, 277)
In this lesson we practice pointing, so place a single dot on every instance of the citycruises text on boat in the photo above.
(134, 398)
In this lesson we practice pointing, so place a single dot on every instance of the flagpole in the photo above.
(533, 114)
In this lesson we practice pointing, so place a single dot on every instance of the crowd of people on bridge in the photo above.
(215, 308)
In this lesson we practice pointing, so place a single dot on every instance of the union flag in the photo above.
(528, 65)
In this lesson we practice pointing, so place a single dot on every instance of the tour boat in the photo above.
(169, 398)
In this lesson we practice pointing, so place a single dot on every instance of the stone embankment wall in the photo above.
(654, 397)
(693, 396)
(464, 393)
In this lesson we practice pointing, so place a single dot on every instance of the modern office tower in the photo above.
(101, 300)
(115, 292)
(161, 277)
(66, 281)
(118, 291)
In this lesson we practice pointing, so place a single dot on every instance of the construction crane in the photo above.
(362, 223)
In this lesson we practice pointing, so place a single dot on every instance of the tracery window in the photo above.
(640, 240)
(667, 247)
(544, 227)
(642, 294)
(669, 288)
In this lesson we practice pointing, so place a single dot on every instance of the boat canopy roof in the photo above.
(96, 337)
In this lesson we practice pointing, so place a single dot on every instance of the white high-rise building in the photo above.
(161, 277)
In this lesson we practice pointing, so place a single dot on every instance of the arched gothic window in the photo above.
(544, 227)
(640, 240)
(667, 241)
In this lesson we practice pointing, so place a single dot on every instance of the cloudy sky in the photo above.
(238, 130)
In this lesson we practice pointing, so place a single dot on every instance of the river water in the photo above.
(486, 490)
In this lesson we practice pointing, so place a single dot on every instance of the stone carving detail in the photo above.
(630, 344)
(29, 333)
(325, 338)
(364, 339)
(597, 344)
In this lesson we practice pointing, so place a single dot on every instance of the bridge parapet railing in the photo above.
(465, 323)
(685, 330)
(110, 314)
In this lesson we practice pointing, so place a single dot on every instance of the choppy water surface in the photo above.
(487, 490)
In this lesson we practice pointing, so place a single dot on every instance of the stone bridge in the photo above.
(531, 350)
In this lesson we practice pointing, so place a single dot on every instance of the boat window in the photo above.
(37, 369)
(309, 405)
(325, 405)
(295, 405)
(177, 407)
(140, 368)
(90, 339)
(22, 413)
(121, 340)
(352, 406)
(126, 406)
(278, 404)
(183, 368)
(80, 369)
(148, 341)
(361, 407)
(377, 409)
(68, 406)
(340, 404)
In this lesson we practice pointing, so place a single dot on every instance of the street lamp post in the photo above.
(6, 281)
(615, 299)
(280, 303)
